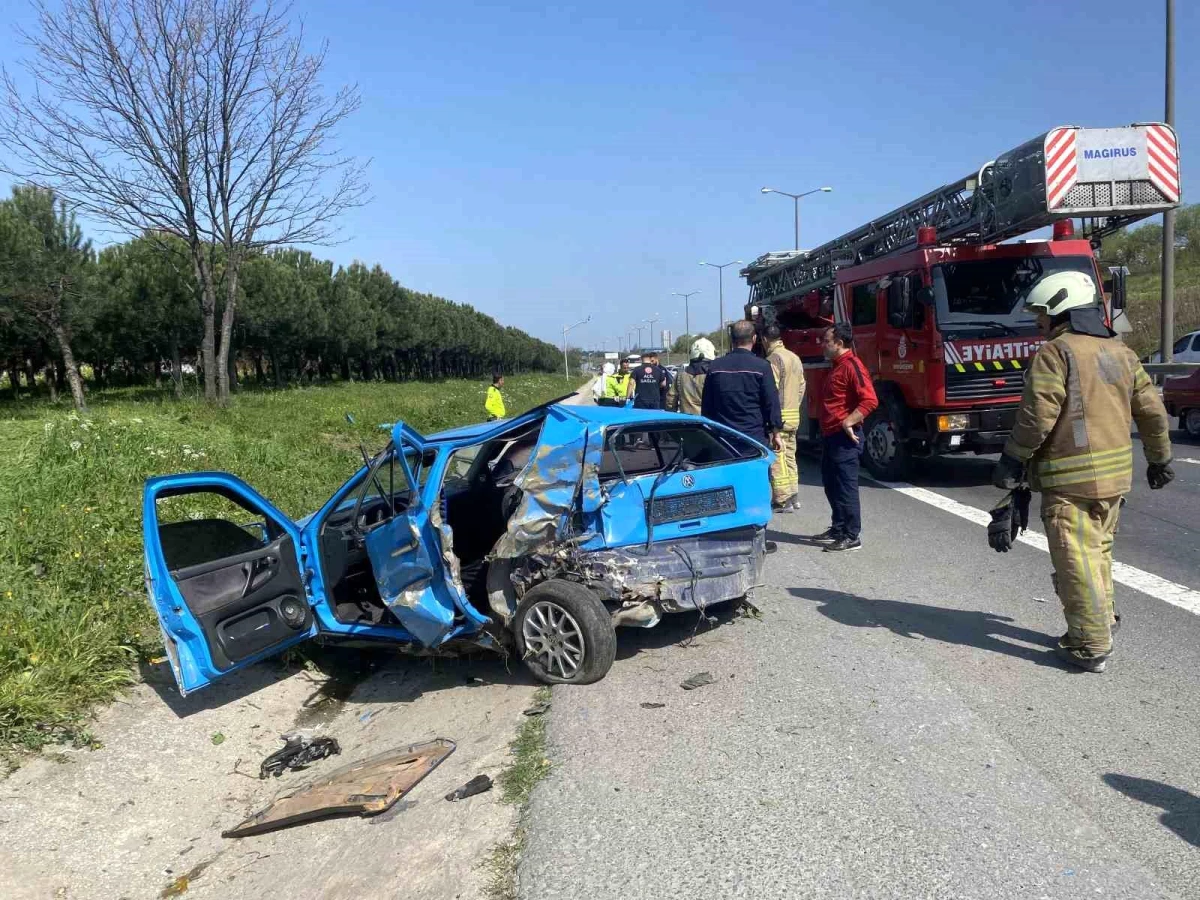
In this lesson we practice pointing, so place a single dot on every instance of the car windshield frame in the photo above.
(1004, 305)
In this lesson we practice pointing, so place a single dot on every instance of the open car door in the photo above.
(405, 548)
(228, 579)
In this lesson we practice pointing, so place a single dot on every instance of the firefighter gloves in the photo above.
(1159, 475)
(1009, 518)
(1009, 473)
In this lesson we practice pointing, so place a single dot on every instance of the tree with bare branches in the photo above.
(201, 119)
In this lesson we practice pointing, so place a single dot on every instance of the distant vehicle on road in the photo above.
(1186, 349)
(1182, 398)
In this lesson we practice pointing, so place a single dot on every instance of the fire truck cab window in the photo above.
(864, 304)
(994, 290)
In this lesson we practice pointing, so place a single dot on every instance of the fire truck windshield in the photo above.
(990, 293)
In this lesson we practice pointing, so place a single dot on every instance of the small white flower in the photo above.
(86, 426)
(75, 445)
(47, 427)
(136, 421)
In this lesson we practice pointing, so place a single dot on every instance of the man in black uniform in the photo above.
(740, 391)
(649, 385)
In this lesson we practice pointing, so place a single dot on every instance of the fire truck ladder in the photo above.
(1012, 195)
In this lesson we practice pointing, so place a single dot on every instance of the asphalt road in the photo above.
(1160, 530)
(895, 725)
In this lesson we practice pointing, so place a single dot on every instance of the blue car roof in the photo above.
(602, 415)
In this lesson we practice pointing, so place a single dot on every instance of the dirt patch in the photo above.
(142, 816)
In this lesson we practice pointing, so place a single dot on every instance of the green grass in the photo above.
(529, 766)
(1145, 306)
(74, 620)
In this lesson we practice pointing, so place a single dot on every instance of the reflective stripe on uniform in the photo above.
(1065, 463)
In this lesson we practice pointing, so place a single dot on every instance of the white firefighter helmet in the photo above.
(702, 348)
(1061, 292)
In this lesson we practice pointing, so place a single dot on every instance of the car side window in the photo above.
(1196, 343)
(207, 526)
(1181, 345)
(650, 449)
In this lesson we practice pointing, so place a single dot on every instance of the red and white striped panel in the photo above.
(1062, 170)
(1162, 159)
(840, 313)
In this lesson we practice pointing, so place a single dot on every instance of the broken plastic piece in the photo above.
(698, 680)
(649, 705)
(538, 708)
(367, 788)
(297, 753)
(476, 785)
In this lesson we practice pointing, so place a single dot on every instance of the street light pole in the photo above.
(796, 204)
(1167, 335)
(566, 330)
(721, 301)
(687, 322)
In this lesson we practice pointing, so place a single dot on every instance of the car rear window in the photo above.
(646, 450)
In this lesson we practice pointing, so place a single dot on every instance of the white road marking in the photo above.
(1194, 462)
(1130, 576)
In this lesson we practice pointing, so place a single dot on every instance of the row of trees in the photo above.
(133, 313)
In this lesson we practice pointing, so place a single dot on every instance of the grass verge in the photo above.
(74, 621)
(529, 766)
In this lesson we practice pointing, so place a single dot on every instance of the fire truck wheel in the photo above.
(887, 454)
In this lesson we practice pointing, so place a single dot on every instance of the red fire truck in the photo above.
(934, 290)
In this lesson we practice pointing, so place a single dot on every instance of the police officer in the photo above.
(649, 385)
(687, 390)
(789, 381)
(618, 388)
(1071, 438)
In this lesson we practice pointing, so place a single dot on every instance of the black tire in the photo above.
(887, 454)
(542, 612)
(1189, 421)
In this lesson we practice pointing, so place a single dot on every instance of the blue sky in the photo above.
(544, 164)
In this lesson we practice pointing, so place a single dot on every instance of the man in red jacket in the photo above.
(848, 397)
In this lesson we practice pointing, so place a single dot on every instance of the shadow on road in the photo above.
(675, 628)
(1181, 808)
(985, 630)
(336, 673)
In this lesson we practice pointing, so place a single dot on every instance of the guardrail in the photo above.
(1171, 368)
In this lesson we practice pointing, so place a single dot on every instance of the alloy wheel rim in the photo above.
(553, 639)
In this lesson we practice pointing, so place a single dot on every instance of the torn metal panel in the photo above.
(549, 484)
(365, 788)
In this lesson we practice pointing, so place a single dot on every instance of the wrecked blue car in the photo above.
(538, 535)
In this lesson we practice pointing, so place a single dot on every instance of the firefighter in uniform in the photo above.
(686, 392)
(789, 380)
(1071, 439)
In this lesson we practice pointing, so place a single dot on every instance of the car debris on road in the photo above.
(298, 752)
(476, 785)
(367, 787)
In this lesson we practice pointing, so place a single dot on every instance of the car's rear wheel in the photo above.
(564, 634)
(1190, 421)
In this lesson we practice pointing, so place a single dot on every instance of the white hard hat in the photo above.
(703, 348)
(609, 368)
(1060, 292)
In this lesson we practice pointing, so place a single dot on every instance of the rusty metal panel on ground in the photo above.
(365, 788)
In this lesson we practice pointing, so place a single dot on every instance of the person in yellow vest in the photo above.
(789, 380)
(1071, 440)
(687, 390)
(494, 404)
(621, 382)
